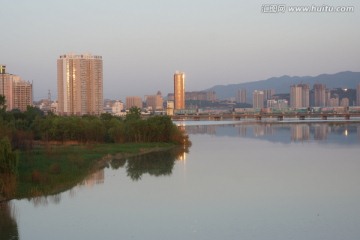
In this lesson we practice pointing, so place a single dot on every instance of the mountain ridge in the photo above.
(344, 79)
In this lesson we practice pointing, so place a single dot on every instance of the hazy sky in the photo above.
(144, 42)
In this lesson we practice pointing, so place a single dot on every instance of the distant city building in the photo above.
(117, 108)
(170, 108)
(134, 101)
(299, 96)
(170, 97)
(241, 96)
(18, 93)
(201, 96)
(319, 95)
(327, 96)
(154, 102)
(80, 84)
(268, 93)
(277, 104)
(344, 102)
(258, 99)
(179, 90)
(54, 107)
(358, 95)
(333, 102)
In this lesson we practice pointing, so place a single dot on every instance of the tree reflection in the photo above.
(7, 185)
(8, 225)
(155, 163)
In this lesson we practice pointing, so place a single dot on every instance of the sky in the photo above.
(143, 42)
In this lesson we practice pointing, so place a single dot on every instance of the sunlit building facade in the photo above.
(80, 84)
(179, 90)
(18, 93)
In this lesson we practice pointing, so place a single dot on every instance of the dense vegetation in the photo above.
(24, 128)
(37, 152)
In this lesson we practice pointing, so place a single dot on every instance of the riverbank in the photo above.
(51, 169)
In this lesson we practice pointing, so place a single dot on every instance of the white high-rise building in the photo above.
(258, 99)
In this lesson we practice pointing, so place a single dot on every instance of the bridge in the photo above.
(261, 116)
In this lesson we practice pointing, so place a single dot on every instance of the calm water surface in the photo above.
(248, 181)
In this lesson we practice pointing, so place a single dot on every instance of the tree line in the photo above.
(23, 129)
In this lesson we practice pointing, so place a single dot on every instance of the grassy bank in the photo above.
(52, 169)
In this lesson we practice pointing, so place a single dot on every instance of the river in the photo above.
(243, 181)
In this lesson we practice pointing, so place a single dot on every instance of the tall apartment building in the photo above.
(18, 93)
(299, 96)
(320, 95)
(258, 99)
(358, 95)
(80, 84)
(134, 101)
(179, 90)
(241, 96)
(268, 93)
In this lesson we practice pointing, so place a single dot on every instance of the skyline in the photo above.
(143, 43)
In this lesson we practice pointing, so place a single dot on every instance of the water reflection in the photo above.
(300, 132)
(155, 164)
(8, 225)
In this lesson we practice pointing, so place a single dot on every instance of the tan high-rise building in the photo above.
(319, 95)
(299, 96)
(179, 90)
(80, 84)
(241, 95)
(18, 93)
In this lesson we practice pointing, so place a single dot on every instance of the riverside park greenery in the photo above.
(43, 155)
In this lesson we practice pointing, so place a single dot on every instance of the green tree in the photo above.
(8, 158)
(133, 114)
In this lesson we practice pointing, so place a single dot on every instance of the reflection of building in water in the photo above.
(242, 130)
(95, 178)
(263, 129)
(321, 131)
(300, 132)
(201, 129)
(358, 130)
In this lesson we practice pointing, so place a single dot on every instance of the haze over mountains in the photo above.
(282, 84)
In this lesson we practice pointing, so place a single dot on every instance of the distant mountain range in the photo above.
(282, 84)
